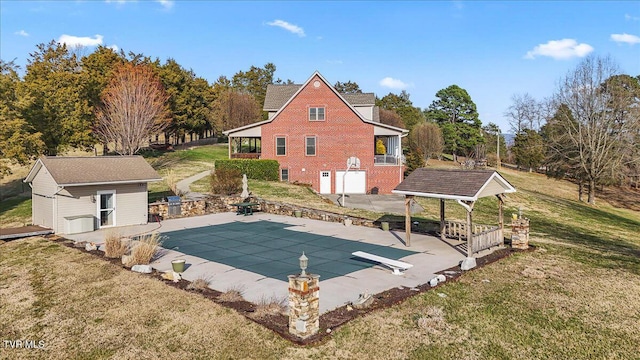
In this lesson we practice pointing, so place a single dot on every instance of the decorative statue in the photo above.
(245, 185)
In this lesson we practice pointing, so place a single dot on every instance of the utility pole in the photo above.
(498, 148)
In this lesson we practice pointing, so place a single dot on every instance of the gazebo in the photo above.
(465, 187)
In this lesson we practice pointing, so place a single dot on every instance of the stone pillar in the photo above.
(520, 233)
(304, 305)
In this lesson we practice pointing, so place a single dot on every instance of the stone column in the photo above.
(304, 305)
(520, 233)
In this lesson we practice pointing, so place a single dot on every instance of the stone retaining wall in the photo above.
(217, 204)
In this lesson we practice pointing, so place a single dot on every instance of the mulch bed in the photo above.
(329, 321)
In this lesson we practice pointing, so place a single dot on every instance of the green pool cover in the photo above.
(270, 249)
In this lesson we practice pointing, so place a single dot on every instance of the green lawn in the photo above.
(15, 212)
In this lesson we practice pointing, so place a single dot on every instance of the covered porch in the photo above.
(245, 142)
(465, 187)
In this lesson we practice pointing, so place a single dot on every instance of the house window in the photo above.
(284, 174)
(281, 146)
(311, 145)
(316, 114)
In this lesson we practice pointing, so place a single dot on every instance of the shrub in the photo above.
(270, 306)
(226, 181)
(232, 294)
(380, 148)
(255, 169)
(200, 283)
(114, 245)
(144, 250)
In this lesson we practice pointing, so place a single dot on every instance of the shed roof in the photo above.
(469, 185)
(78, 171)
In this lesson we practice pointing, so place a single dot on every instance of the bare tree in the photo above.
(234, 109)
(525, 113)
(590, 126)
(426, 139)
(134, 107)
(390, 117)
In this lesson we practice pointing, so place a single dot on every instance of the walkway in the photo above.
(183, 186)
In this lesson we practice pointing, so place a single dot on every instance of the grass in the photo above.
(144, 250)
(15, 212)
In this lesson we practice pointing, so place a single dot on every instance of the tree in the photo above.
(380, 148)
(414, 160)
(60, 108)
(528, 149)
(390, 117)
(18, 143)
(234, 109)
(493, 138)
(457, 116)
(525, 113)
(348, 87)
(133, 108)
(426, 140)
(402, 105)
(190, 100)
(593, 129)
(254, 81)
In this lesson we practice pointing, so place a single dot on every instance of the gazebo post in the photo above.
(500, 211)
(407, 218)
(442, 224)
(469, 229)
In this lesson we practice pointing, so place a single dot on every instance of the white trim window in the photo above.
(310, 145)
(316, 114)
(281, 146)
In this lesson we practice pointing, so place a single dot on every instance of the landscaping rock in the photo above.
(145, 269)
(441, 278)
(364, 301)
(90, 246)
(125, 259)
(468, 263)
(433, 282)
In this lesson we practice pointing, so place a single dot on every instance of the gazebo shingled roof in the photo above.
(464, 186)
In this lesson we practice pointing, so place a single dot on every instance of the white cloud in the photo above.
(295, 29)
(114, 47)
(22, 33)
(626, 38)
(560, 49)
(73, 41)
(167, 4)
(393, 83)
(631, 17)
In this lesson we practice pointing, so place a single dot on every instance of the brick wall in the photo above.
(342, 134)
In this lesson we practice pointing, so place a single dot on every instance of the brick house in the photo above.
(312, 131)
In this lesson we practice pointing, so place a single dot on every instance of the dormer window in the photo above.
(316, 114)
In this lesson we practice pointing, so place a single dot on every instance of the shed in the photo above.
(78, 194)
(465, 187)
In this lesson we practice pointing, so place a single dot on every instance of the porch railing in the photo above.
(484, 236)
(245, 156)
(387, 160)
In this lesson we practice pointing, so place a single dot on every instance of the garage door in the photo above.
(355, 182)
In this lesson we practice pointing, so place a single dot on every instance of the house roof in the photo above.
(79, 171)
(279, 92)
(278, 95)
(469, 185)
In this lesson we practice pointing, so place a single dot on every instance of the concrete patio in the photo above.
(431, 255)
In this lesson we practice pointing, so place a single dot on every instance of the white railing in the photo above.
(387, 160)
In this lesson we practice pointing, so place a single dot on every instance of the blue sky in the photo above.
(493, 49)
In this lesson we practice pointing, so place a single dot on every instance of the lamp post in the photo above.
(304, 261)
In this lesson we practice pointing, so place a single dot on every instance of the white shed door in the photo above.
(355, 182)
(325, 182)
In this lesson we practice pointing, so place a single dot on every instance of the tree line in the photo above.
(588, 130)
